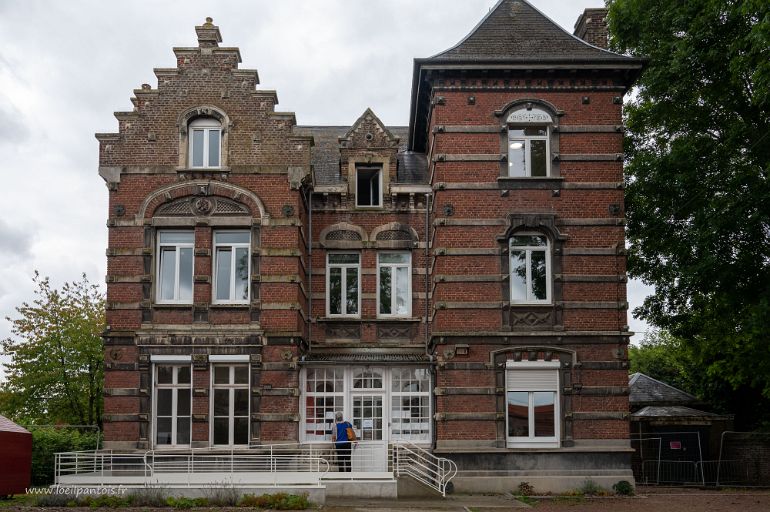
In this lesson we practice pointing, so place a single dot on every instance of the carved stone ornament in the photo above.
(197, 206)
(535, 115)
(530, 318)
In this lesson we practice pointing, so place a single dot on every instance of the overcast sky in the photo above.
(65, 67)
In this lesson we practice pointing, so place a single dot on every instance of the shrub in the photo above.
(52, 500)
(182, 502)
(47, 441)
(149, 497)
(277, 501)
(525, 489)
(106, 500)
(623, 488)
(221, 496)
(591, 488)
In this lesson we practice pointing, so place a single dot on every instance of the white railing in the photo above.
(191, 467)
(418, 463)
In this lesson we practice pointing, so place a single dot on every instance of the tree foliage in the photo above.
(698, 198)
(56, 372)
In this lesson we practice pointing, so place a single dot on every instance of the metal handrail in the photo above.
(423, 466)
(151, 463)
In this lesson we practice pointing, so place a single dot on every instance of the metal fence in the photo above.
(743, 460)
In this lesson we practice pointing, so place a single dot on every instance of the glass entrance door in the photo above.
(371, 453)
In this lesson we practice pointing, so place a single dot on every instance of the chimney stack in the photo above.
(591, 27)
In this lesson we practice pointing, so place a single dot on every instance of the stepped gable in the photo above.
(514, 30)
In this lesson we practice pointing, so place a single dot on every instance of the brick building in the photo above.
(458, 283)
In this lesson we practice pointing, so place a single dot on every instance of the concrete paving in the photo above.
(452, 503)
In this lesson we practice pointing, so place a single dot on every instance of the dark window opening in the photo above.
(368, 186)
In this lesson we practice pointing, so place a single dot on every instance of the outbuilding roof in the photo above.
(673, 411)
(643, 389)
(7, 425)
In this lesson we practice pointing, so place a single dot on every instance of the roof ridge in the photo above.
(473, 30)
(570, 33)
(586, 45)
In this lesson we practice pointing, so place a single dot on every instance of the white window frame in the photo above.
(233, 247)
(176, 389)
(205, 125)
(328, 424)
(231, 387)
(348, 392)
(395, 404)
(177, 252)
(379, 180)
(531, 441)
(393, 286)
(528, 249)
(343, 285)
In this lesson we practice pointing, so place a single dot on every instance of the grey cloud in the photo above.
(14, 241)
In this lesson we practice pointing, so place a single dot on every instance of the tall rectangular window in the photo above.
(532, 403)
(175, 266)
(173, 396)
(343, 284)
(205, 143)
(230, 404)
(530, 269)
(369, 186)
(410, 404)
(324, 396)
(232, 266)
(394, 284)
(528, 151)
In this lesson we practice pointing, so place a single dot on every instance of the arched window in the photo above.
(530, 254)
(529, 133)
(205, 143)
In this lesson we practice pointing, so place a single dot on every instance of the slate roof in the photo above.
(325, 155)
(643, 389)
(672, 411)
(514, 30)
(7, 425)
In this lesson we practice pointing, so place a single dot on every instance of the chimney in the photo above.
(208, 34)
(591, 27)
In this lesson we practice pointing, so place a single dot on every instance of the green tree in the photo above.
(56, 372)
(666, 358)
(698, 197)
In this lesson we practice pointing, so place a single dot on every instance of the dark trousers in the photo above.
(343, 456)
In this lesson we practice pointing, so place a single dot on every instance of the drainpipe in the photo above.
(307, 199)
(431, 367)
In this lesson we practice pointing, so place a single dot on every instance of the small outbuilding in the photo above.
(15, 458)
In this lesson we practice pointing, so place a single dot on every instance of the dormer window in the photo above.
(369, 186)
(205, 143)
(529, 132)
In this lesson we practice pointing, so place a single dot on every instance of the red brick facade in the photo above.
(445, 203)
